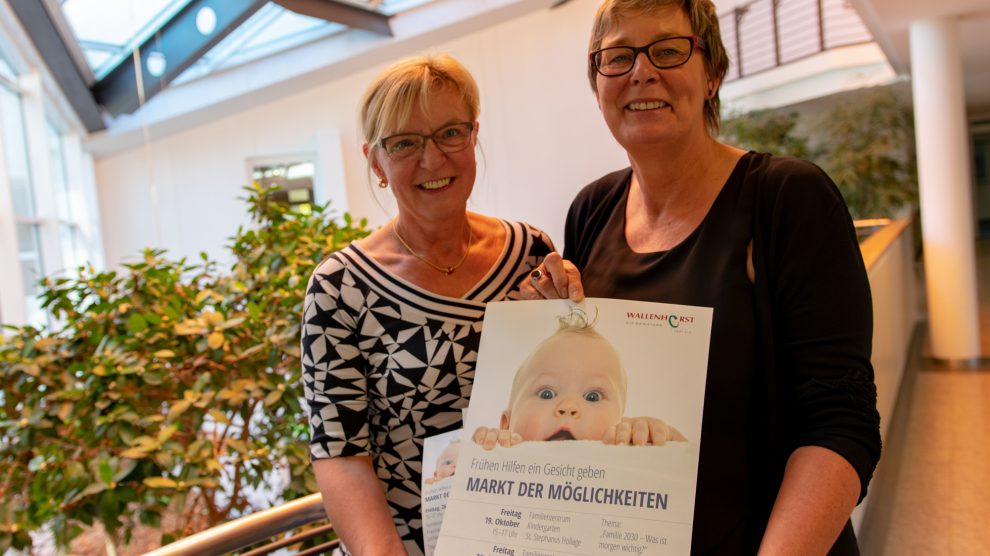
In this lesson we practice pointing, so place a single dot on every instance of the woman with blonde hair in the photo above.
(391, 323)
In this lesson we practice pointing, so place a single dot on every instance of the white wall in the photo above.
(540, 129)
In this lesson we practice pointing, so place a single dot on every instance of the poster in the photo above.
(583, 431)
(440, 458)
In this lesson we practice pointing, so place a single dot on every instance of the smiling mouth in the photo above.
(562, 434)
(436, 184)
(648, 105)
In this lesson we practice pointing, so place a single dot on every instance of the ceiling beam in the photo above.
(340, 12)
(179, 43)
(43, 28)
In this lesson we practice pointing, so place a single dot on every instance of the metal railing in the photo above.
(765, 34)
(259, 527)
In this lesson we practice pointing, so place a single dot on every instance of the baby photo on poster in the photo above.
(583, 430)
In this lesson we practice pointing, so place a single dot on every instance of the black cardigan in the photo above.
(812, 313)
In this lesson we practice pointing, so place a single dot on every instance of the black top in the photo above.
(789, 363)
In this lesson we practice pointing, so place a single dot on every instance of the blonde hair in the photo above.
(390, 98)
(704, 23)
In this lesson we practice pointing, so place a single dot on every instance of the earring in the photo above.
(382, 183)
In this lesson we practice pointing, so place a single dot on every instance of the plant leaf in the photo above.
(106, 472)
(134, 453)
(178, 408)
(125, 468)
(160, 482)
(215, 340)
(273, 397)
(136, 324)
(166, 433)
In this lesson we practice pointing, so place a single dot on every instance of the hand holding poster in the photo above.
(623, 383)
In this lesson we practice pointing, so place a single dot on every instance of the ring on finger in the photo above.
(535, 275)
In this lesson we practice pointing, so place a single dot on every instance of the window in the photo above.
(49, 221)
(294, 180)
(15, 151)
(32, 270)
(70, 208)
(18, 177)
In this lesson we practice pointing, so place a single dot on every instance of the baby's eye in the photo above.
(593, 396)
(546, 394)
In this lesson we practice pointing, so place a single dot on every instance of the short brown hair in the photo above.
(390, 98)
(704, 23)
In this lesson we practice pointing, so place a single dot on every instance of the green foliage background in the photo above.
(138, 403)
(866, 145)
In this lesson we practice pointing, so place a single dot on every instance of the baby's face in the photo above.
(447, 463)
(572, 390)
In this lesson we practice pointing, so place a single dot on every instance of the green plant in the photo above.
(170, 385)
(867, 150)
(864, 143)
(766, 131)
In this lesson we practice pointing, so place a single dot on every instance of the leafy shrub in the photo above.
(864, 144)
(170, 385)
(767, 131)
(869, 153)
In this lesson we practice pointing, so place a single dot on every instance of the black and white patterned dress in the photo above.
(387, 363)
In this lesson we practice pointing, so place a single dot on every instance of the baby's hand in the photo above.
(642, 431)
(487, 438)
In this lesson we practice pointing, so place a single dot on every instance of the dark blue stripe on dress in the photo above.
(504, 262)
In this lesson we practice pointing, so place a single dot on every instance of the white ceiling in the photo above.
(890, 22)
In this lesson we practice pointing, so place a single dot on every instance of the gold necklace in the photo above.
(445, 269)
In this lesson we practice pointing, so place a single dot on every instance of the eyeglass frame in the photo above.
(696, 43)
(428, 137)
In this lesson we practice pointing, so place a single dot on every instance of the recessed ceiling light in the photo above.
(206, 20)
(156, 63)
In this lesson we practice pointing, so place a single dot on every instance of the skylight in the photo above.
(108, 30)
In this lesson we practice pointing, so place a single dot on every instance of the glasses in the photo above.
(663, 54)
(449, 139)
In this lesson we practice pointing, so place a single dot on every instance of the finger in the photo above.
(674, 434)
(575, 289)
(505, 438)
(557, 271)
(516, 438)
(640, 432)
(609, 436)
(542, 278)
(479, 435)
(527, 289)
(539, 285)
(486, 437)
(623, 433)
(658, 432)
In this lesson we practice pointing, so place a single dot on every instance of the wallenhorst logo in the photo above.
(674, 321)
